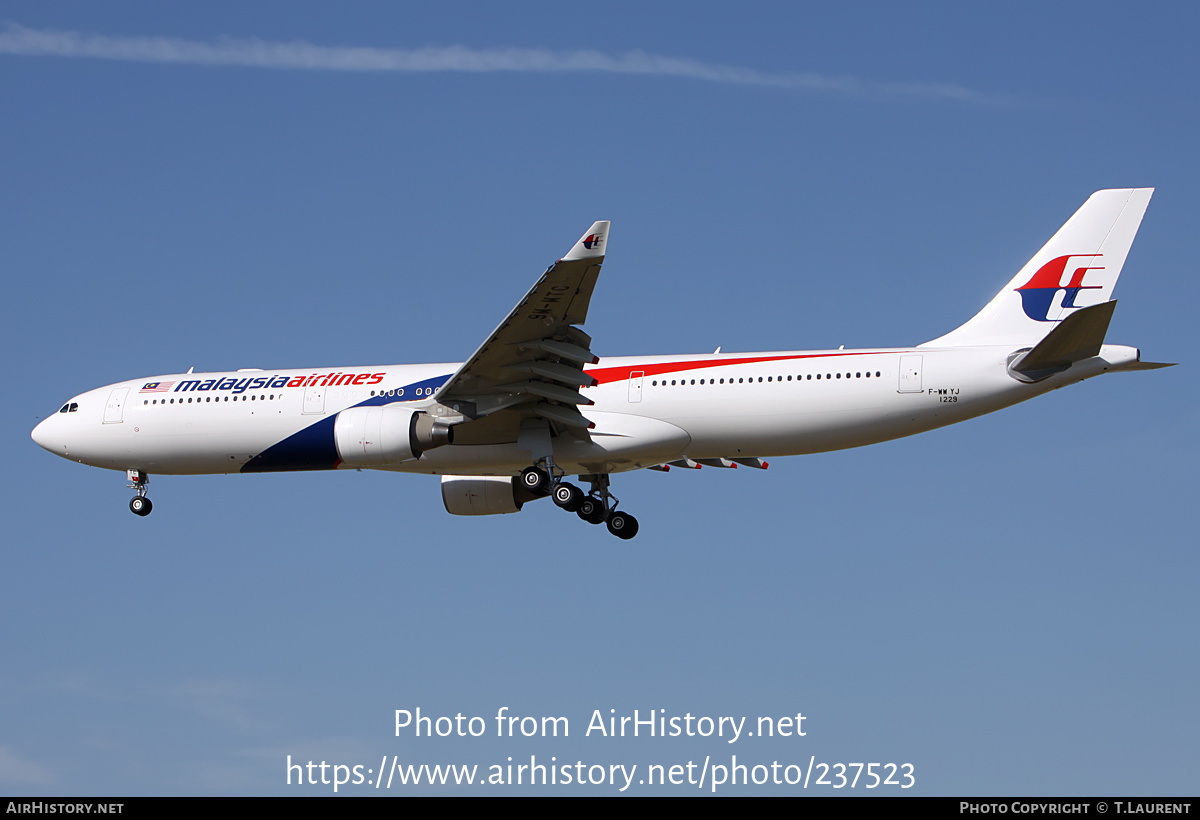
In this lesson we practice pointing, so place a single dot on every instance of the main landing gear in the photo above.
(139, 504)
(595, 507)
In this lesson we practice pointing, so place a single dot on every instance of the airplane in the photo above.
(533, 405)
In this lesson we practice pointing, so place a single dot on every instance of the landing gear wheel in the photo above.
(140, 505)
(591, 510)
(568, 496)
(535, 480)
(623, 525)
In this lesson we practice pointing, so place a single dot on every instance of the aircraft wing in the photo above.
(534, 360)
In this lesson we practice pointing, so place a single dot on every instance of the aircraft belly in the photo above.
(622, 441)
(618, 443)
(795, 433)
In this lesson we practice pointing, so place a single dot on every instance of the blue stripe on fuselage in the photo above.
(315, 447)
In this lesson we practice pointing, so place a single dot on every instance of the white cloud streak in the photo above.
(15, 770)
(18, 40)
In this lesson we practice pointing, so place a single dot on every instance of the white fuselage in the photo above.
(647, 411)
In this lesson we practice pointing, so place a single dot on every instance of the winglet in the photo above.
(1147, 365)
(592, 244)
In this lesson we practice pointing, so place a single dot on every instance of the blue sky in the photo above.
(1008, 604)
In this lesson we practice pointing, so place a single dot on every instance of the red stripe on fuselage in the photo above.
(603, 375)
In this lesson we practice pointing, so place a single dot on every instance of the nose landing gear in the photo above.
(139, 504)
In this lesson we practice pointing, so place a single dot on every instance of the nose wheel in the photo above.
(139, 504)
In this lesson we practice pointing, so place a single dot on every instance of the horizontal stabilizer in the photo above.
(1147, 365)
(1075, 338)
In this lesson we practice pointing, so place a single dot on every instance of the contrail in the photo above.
(252, 52)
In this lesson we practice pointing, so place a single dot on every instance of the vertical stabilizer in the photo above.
(1077, 268)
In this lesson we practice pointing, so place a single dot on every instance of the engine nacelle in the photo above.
(481, 494)
(379, 436)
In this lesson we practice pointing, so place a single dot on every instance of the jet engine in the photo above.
(379, 436)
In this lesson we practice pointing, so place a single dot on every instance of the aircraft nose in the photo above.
(41, 434)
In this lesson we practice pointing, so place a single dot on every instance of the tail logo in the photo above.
(593, 240)
(1037, 295)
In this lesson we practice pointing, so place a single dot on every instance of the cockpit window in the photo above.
(74, 407)
(69, 407)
